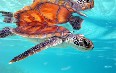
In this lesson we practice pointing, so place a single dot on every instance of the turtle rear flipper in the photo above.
(5, 32)
(76, 22)
(8, 17)
(53, 41)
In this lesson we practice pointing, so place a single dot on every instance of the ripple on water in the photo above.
(45, 63)
(66, 68)
(107, 66)
(114, 59)
(115, 64)
(11, 69)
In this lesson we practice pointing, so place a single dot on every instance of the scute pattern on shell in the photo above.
(46, 32)
(42, 20)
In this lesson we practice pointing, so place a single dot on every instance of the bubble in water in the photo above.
(66, 68)
(45, 63)
(107, 66)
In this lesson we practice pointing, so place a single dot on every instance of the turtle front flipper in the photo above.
(53, 41)
(5, 32)
(8, 17)
(76, 22)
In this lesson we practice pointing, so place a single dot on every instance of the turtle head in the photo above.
(83, 4)
(80, 42)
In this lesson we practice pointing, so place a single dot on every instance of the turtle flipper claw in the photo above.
(5, 32)
(76, 22)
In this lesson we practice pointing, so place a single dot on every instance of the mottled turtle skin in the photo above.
(66, 38)
(40, 20)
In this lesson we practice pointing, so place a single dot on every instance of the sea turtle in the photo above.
(51, 12)
(51, 36)
(39, 22)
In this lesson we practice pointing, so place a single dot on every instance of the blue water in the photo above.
(99, 26)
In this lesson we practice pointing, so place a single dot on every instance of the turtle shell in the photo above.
(41, 31)
(41, 19)
(46, 12)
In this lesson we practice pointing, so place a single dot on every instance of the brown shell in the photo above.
(40, 19)
(66, 3)
(41, 32)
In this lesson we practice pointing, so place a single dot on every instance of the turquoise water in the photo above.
(99, 26)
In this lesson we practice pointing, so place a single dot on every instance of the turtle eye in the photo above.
(88, 0)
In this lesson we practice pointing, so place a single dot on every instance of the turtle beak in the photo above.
(88, 44)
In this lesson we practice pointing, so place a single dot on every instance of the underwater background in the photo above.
(99, 26)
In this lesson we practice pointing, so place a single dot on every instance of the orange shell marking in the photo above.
(41, 32)
(31, 16)
(40, 20)
(49, 13)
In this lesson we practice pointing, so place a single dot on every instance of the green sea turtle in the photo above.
(51, 36)
(50, 12)
(39, 21)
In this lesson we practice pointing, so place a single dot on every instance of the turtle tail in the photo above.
(8, 17)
